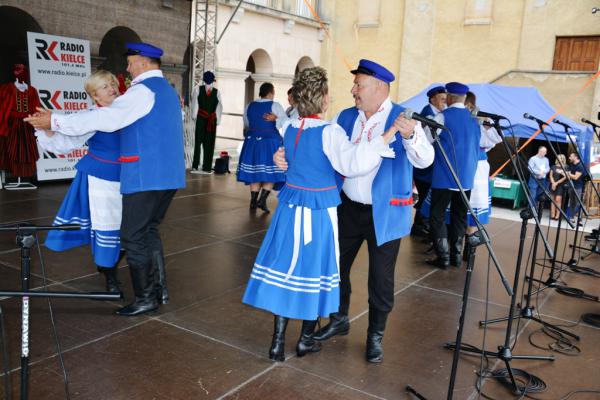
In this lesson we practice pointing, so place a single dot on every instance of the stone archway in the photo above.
(14, 25)
(303, 63)
(259, 65)
(112, 48)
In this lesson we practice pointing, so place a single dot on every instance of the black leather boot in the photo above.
(456, 249)
(339, 324)
(443, 254)
(277, 350)
(145, 294)
(377, 320)
(160, 277)
(112, 283)
(253, 200)
(307, 344)
(262, 200)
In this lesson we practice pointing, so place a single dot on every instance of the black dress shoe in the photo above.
(138, 307)
(339, 324)
(438, 262)
(307, 343)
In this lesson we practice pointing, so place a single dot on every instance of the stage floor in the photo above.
(207, 345)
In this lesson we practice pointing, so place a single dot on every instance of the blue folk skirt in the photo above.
(75, 209)
(256, 160)
(296, 273)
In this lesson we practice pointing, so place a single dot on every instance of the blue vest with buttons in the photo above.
(102, 159)
(392, 187)
(461, 144)
(152, 147)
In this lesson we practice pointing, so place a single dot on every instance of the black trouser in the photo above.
(355, 221)
(207, 140)
(440, 198)
(142, 213)
(423, 189)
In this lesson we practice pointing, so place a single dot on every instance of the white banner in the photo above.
(59, 67)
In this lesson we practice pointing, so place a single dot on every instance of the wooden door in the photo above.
(580, 53)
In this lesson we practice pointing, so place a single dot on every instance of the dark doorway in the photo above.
(14, 25)
(113, 49)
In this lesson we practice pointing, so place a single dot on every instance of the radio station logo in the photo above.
(64, 100)
(66, 52)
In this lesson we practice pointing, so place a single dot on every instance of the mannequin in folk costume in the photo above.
(207, 108)
(18, 149)
(93, 200)
(300, 278)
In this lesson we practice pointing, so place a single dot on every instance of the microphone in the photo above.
(478, 113)
(531, 117)
(566, 126)
(408, 113)
(585, 121)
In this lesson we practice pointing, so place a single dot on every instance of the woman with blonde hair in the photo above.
(296, 272)
(93, 199)
(558, 178)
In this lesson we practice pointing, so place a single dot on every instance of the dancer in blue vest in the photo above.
(422, 177)
(461, 143)
(377, 206)
(94, 199)
(262, 119)
(296, 273)
(148, 116)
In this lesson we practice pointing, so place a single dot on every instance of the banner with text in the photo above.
(59, 67)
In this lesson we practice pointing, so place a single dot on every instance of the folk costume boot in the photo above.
(442, 251)
(145, 301)
(277, 350)
(160, 277)
(456, 248)
(253, 200)
(262, 200)
(307, 344)
(112, 283)
(377, 320)
(339, 324)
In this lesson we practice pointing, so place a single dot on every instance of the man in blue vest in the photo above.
(422, 177)
(148, 118)
(376, 207)
(461, 144)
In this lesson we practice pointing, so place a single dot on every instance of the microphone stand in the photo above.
(526, 312)
(504, 352)
(479, 237)
(26, 237)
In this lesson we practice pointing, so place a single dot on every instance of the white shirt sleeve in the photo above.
(282, 117)
(350, 159)
(219, 109)
(194, 105)
(245, 118)
(489, 138)
(419, 150)
(125, 110)
(59, 143)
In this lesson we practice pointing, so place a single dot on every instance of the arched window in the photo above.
(14, 25)
(113, 49)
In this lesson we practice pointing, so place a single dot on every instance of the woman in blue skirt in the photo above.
(256, 168)
(296, 272)
(93, 199)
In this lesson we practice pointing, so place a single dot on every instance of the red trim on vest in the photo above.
(394, 201)
(128, 159)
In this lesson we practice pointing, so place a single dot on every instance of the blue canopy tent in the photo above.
(512, 102)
